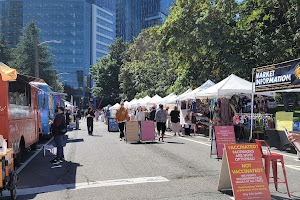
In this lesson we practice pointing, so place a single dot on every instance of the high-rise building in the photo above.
(84, 27)
(135, 15)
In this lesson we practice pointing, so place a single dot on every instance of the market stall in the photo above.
(228, 103)
(282, 77)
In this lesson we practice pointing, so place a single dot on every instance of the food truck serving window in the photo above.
(19, 93)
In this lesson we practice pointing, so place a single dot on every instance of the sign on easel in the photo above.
(132, 131)
(148, 130)
(243, 172)
(224, 135)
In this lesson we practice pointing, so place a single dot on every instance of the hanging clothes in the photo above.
(225, 114)
(183, 105)
(193, 107)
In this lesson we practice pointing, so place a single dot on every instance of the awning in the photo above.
(7, 73)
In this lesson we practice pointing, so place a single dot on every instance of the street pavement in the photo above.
(103, 167)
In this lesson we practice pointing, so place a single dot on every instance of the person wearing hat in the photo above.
(59, 128)
(161, 118)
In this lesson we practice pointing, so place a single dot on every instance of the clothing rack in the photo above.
(254, 114)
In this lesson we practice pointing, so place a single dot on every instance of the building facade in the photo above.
(135, 15)
(84, 28)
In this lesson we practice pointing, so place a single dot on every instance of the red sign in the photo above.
(248, 178)
(147, 129)
(224, 135)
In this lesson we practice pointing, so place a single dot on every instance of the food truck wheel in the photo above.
(13, 185)
(33, 147)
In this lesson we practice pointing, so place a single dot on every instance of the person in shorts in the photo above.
(161, 118)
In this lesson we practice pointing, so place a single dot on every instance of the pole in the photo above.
(36, 53)
(252, 102)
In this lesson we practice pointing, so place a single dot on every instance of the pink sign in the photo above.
(224, 135)
(147, 129)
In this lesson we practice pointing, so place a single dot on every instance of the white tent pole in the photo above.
(252, 104)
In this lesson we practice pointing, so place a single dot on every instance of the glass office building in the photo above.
(135, 15)
(84, 27)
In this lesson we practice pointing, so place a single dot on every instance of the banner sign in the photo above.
(284, 119)
(147, 129)
(224, 135)
(132, 131)
(243, 171)
(278, 77)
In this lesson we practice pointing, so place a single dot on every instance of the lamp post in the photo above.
(36, 63)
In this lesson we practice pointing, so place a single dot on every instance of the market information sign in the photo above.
(132, 131)
(224, 135)
(147, 129)
(278, 77)
(243, 172)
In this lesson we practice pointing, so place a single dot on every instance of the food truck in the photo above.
(20, 121)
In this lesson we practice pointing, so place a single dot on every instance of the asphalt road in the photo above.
(103, 167)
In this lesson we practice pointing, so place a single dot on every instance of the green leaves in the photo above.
(22, 57)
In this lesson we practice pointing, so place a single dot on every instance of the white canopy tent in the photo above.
(172, 100)
(131, 103)
(163, 100)
(115, 107)
(155, 100)
(144, 101)
(193, 94)
(229, 86)
(181, 95)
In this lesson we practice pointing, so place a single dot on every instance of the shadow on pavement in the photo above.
(41, 176)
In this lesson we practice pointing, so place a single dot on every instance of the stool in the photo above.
(273, 158)
(48, 147)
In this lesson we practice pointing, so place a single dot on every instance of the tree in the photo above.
(4, 50)
(202, 39)
(23, 56)
(146, 71)
(106, 73)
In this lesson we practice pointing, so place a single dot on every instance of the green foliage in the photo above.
(4, 50)
(146, 71)
(23, 56)
(106, 73)
(204, 39)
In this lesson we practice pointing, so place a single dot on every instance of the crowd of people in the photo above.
(159, 115)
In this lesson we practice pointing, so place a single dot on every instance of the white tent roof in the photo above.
(229, 86)
(192, 94)
(163, 100)
(172, 99)
(180, 96)
(155, 99)
(145, 101)
(115, 107)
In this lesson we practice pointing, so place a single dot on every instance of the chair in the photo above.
(273, 158)
(49, 148)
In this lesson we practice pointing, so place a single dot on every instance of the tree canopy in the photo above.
(204, 39)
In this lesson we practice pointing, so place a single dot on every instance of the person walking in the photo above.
(120, 118)
(152, 114)
(90, 120)
(68, 117)
(97, 114)
(77, 115)
(175, 121)
(140, 115)
(59, 128)
(161, 118)
(107, 115)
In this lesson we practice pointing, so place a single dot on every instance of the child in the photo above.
(187, 125)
